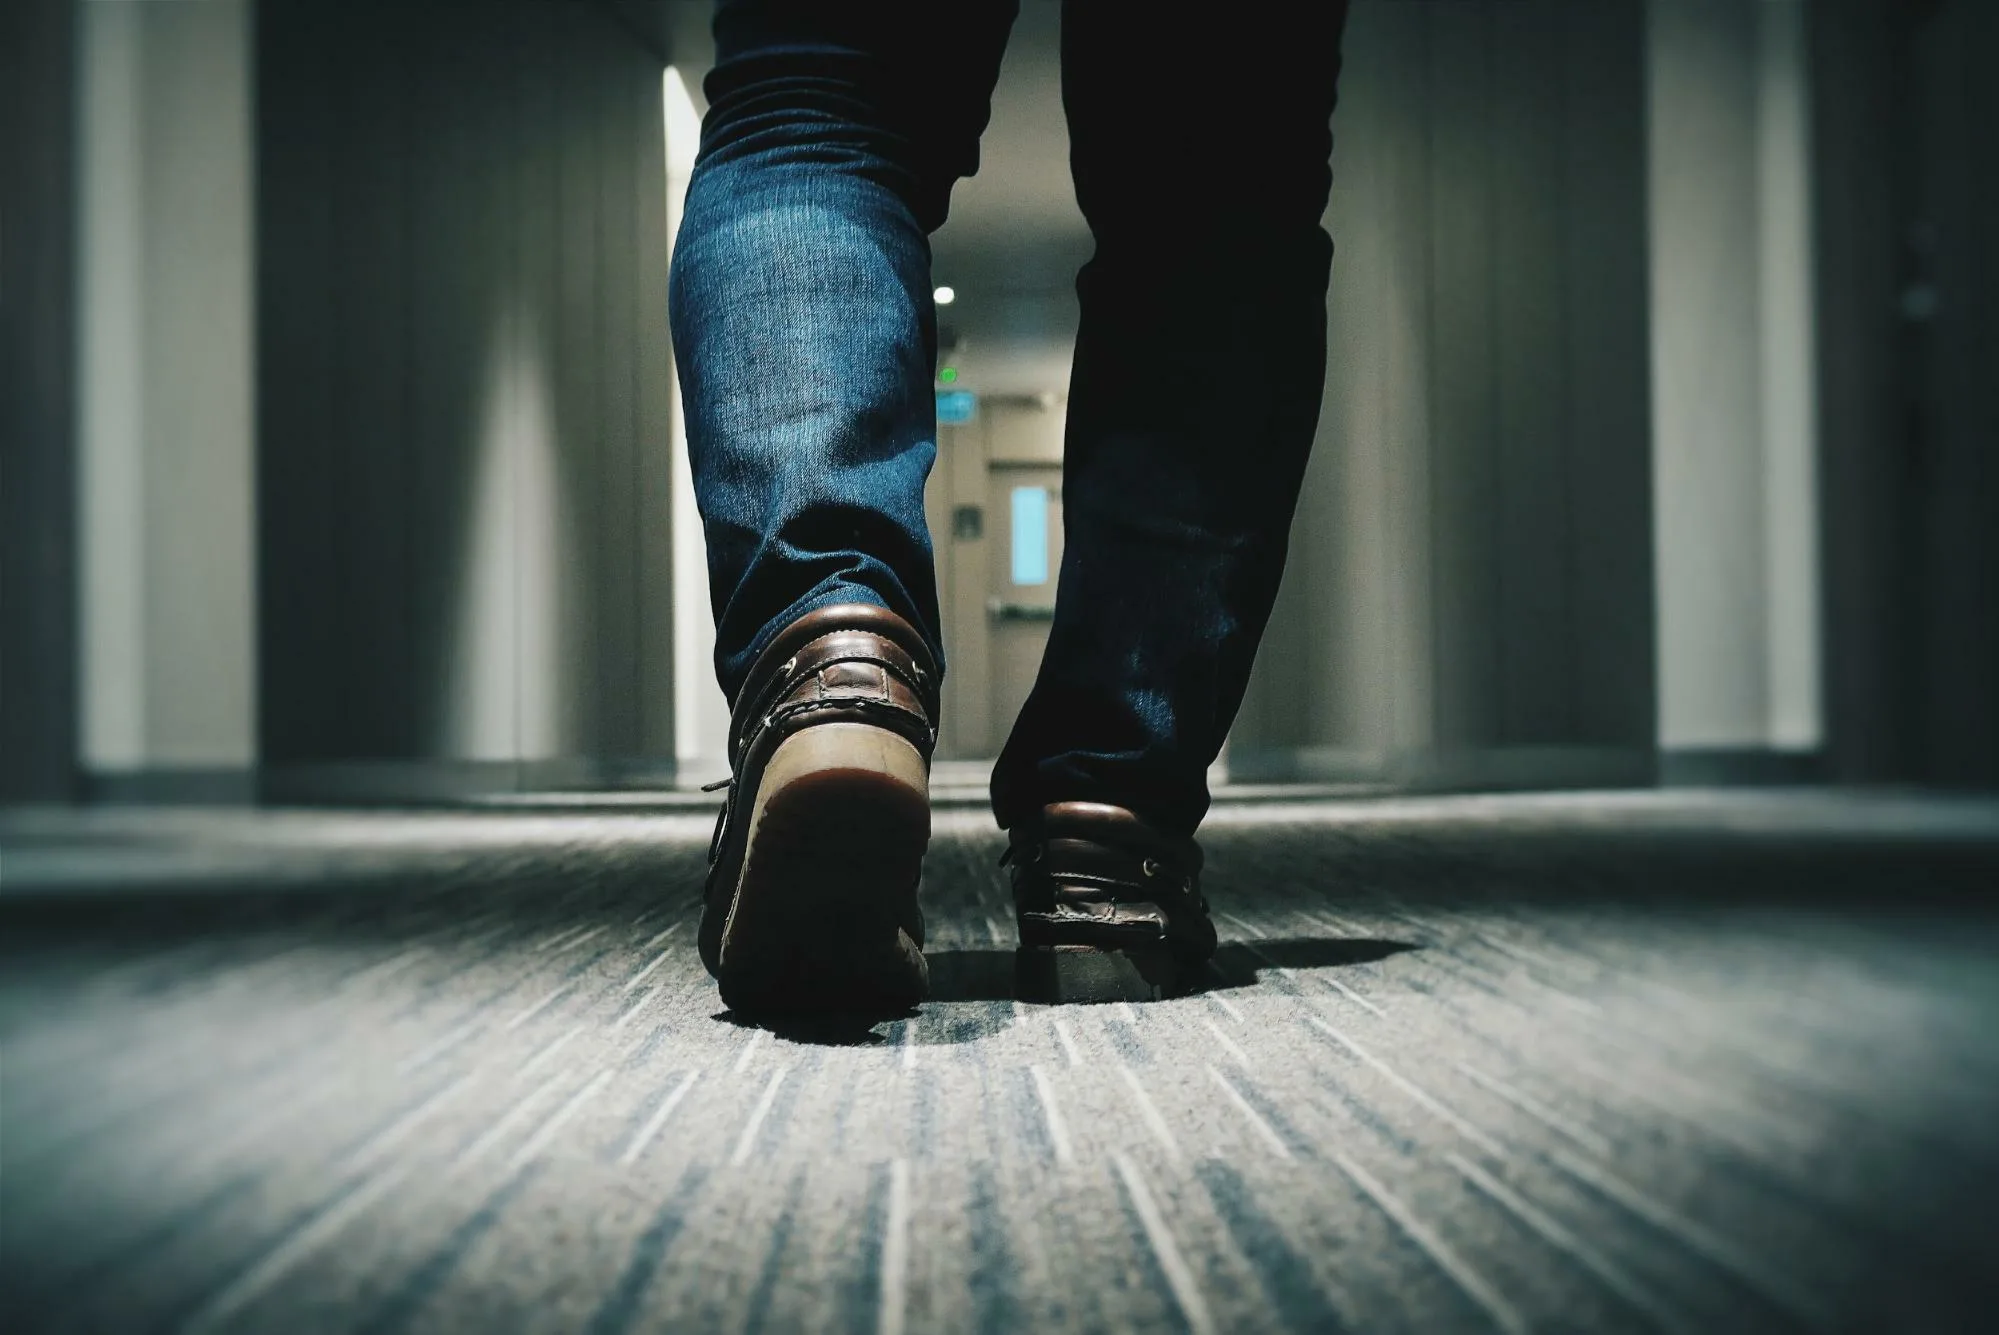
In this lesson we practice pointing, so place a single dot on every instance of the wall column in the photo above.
(38, 599)
(1734, 467)
(1469, 600)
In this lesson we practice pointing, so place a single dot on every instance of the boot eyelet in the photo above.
(789, 664)
(1150, 867)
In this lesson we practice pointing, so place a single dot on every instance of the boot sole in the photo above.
(824, 915)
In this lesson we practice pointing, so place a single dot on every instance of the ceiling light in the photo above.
(945, 296)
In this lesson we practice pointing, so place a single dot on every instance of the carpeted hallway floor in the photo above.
(1677, 1061)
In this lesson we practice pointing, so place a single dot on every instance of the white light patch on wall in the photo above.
(166, 535)
(1790, 387)
(543, 548)
(110, 390)
(1734, 435)
(700, 713)
(502, 685)
(1030, 536)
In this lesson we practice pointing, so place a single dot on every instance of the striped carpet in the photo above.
(1668, 1061)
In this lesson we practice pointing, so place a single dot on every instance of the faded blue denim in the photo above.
(806, 341)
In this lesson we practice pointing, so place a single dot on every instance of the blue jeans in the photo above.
(806, 340)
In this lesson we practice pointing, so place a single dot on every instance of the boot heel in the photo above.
(825, 913)
(810, 902)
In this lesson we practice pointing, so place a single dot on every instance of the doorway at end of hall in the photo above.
(995, 509)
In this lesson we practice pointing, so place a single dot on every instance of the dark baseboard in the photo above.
(195, 786)
(453, 782)
(1260, 774)
(1527, 768)
(1523, 768)
(378, 782)
(1749, 766)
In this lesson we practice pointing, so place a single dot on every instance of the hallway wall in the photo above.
(369, 483)
(1734, 436)
(167, 661)
(1470, 594)
(1906, 214)
(38, 595)
(463, 397)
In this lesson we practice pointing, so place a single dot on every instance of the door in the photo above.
(994, 504)
(1025, 502)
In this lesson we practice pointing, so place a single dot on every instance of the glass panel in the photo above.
(955, 407)
(1030, 535)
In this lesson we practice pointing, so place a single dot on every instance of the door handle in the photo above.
(1005, 611)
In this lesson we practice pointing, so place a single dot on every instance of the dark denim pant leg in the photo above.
(801, 301)
(1201, 160)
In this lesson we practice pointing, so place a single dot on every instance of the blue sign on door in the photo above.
(1030, 535)
(955, 407)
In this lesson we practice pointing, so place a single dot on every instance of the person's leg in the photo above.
(802, 319)
(1201, 159)
(801, 301)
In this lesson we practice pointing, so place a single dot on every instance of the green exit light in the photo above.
(948, 374)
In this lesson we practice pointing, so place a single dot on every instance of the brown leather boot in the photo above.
(1087, 875)
(812, 875)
